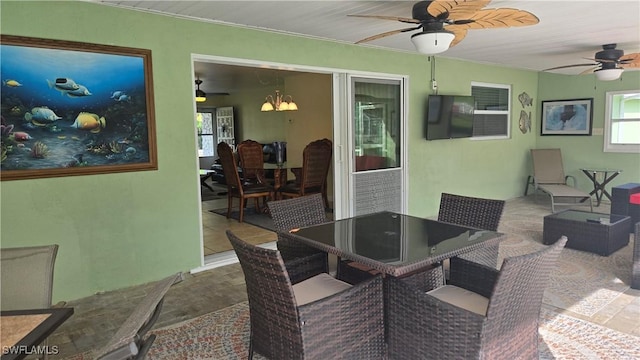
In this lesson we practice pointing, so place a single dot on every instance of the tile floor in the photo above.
(213, 225)
(97, 317)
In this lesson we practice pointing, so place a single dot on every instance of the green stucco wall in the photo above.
(587, 151)
(123, 229)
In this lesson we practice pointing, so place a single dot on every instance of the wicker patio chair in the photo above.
(549, 177)
(483, 314)
(295, 213)
(237, 188)
(635, 271)
(316, 160)
(130, 341)
(318, 318)
(473, 212)
(251, 161)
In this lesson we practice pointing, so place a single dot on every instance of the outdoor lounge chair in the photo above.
(131, 341)
(549, 177)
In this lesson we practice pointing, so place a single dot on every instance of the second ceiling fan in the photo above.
(445, 23)
(609, 63)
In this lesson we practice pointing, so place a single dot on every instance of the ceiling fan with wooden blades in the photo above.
(444, 23)
(609, 63)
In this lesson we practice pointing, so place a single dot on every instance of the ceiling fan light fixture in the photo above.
(608, 74)
(201, 96)
(432, 42)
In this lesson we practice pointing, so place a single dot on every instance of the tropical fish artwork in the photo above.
(124, 97)
(525, 122)
(63, 84)
(90, 122)
(21, 136)
(116, 94)
(41, 116)
(81, 91)
(525, 99)
(69, 87)
(11, 83)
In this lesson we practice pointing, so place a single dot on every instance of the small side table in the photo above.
(599, 185)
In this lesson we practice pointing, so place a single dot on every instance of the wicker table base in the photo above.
(601, 234)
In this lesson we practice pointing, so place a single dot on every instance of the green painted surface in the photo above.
(123, 229)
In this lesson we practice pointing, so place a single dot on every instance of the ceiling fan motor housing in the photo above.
(611, 55)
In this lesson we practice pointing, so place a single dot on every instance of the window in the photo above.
(622, 121)
(491, 118)
(206, 139)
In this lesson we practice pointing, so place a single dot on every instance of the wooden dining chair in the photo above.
(251, 161)
(316, 160)
(237, 188)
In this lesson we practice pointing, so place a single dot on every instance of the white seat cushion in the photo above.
(317, 287)
(461, 298)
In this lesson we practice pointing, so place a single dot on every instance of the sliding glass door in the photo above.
(376, 145)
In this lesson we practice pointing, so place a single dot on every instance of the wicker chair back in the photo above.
(295, 213)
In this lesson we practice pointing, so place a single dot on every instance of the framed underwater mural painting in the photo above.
(72, 108)
(567, 117)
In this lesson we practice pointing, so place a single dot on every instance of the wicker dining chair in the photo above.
(236, 188)
(635, 266)
(294, 213)
(477, 213)
(316, 160)
(318, 318)
(251, 161)
(131, 341)
(483, 314)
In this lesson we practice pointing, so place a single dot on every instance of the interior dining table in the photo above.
(392, 243)
(22, 331)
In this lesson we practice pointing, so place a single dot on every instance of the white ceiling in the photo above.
(569, 30)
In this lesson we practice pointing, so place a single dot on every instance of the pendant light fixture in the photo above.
(279, 102)
(201, 96)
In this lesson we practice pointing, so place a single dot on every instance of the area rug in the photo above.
(219, 192)
(224, 334)
(250, 217)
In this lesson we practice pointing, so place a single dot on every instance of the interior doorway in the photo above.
(319, 107)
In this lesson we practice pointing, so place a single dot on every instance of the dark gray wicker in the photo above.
(422, 327)
(477, 213)
(346, 325)
(635, 271)
(295, 213)
(598, 238)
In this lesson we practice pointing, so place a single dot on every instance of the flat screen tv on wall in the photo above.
(449, 116)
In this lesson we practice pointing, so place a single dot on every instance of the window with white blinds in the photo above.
(492, 110)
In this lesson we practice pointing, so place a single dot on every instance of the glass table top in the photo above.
(577, 215)
(394, 239)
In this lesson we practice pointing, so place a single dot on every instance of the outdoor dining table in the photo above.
(392, 243)
(21, 331)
